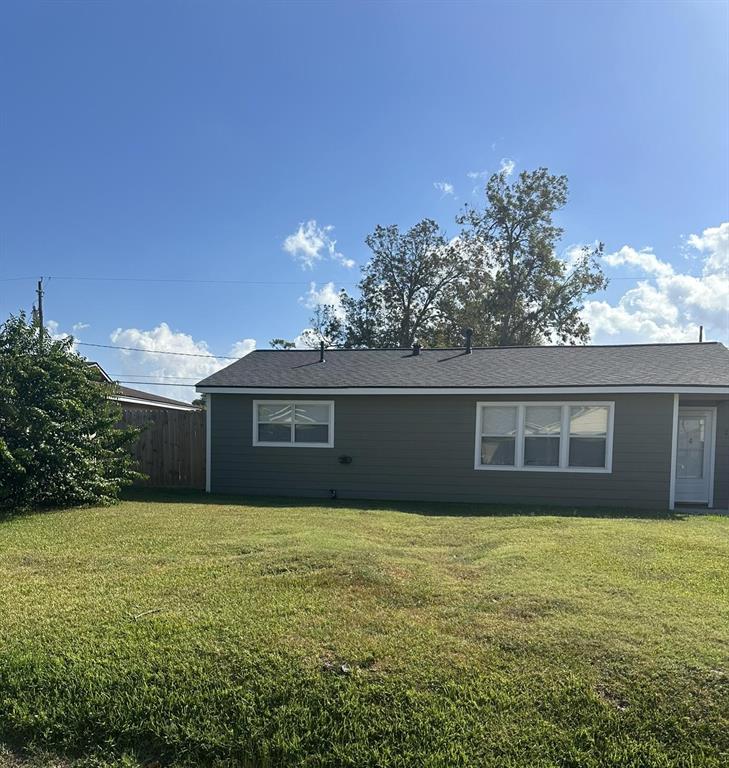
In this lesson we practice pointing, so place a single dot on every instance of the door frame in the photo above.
(710, 441)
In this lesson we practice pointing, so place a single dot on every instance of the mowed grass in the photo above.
(195, 631)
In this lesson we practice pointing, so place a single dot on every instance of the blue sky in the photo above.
(193, 140)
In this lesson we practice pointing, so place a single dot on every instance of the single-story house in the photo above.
(643, 425)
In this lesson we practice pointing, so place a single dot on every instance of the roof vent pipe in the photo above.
(416, 349)
(469, 337)
(321, 352)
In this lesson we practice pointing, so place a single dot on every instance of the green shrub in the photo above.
(60, 444)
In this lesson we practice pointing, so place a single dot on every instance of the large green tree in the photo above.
(400, 292)
(402, 287)
(59, 440)
(518, 291)
(502, 277)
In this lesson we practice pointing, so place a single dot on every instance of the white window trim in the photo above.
(292, 444)
(564, 438)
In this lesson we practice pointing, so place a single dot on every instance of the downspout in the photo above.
(674, 450)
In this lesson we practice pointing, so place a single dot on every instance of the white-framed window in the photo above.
(545, 437)
(297, 423)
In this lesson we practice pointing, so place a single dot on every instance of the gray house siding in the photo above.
(421, 447)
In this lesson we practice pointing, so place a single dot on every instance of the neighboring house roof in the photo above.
(102, 372)
(639, 365)
(151, 400)
(140, 398)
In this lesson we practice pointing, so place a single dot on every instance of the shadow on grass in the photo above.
(425, 508)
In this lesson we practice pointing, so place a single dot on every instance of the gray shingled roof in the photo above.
(150, 396)
(699, 365)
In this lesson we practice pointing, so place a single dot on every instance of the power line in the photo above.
(180, 280)
(157, 351)
(173, 280)
(194, 280)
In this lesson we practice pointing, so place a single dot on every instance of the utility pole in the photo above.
(701, 334)
(39, 291)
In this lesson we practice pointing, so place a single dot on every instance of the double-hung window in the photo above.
(300, 423)
(588, 435)
(498, 436)
(552, 436)
(542, 435)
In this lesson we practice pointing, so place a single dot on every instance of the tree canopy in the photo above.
(501, 276)
(402, 287)
(59, 440)
(519, 291)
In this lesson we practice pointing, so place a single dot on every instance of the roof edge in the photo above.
(180, 406)
(214, 389)
(514, 346)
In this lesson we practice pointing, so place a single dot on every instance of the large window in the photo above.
(561, 437)
(301, 423)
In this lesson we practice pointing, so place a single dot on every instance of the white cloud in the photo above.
(327, 294)
(307, 339)
(668, 305)
(242, 348)
(445, 188)
(644, 260)
(507, 166)
(172, 370)
(479, 177)
(53, 329)
(52, 326)
(623, 324)
(311, 243)
(78, 327)
(572, 256)
(715, 242)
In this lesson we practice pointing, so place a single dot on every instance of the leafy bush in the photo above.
(59, 440)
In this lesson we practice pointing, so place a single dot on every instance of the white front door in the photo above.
(695, 455)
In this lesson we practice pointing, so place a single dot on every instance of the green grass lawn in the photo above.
(197, 631)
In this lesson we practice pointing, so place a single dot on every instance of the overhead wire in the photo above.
(212, 281)
(191, 280)
(157, 351)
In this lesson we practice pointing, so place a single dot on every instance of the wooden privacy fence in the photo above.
(171, 446)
